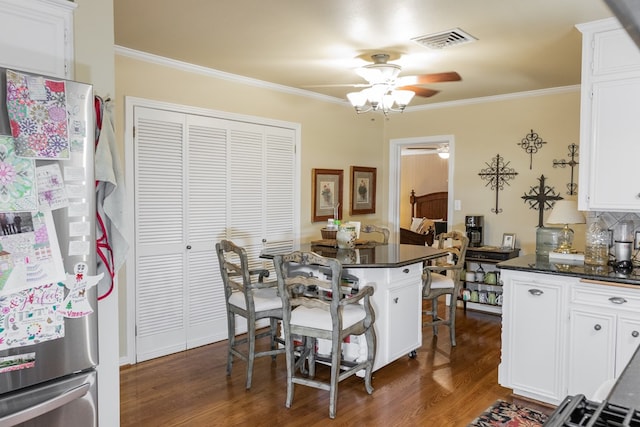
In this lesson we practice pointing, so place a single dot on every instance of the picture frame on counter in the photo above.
(363, 190)
(326, 194)
(508, 241)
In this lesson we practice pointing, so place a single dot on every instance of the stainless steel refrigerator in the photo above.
(47, 367)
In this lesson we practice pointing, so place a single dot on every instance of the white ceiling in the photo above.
(522, 45)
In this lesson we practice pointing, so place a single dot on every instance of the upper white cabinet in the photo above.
(37, 36)
(609, 125)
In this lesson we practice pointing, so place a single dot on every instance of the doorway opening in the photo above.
(398, 200)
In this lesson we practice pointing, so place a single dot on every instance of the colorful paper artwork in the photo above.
(37, 110)
(76, 303)
(32, 257)
(30, 316)
(17, 179)
(17, 362)
(51, 191)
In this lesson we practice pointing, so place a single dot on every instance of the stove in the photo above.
(576, 411)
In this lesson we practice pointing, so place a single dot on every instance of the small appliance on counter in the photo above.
(474, 224)
(623, 245)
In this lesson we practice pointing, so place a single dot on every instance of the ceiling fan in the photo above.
(382, 72)
(388, 91)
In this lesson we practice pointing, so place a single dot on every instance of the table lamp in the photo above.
(566, 212)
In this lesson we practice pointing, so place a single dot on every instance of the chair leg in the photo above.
(291, 360)
(251, 356)
(336, 352)
(434, 314)
(452, 320)
(274, 334)
(311, 352)
(231, 330)
(370, 335)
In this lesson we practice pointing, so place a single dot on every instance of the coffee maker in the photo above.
(474, 224)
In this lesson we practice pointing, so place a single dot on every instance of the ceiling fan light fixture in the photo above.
(402, 97)
(443, 152)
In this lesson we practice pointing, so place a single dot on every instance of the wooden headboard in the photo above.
(432, 206)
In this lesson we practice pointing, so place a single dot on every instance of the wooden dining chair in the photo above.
(315, 306)
(251, 299)
(443, 278)
(382, 233)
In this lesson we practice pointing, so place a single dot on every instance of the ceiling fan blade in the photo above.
(340, 85)
(420, 91)
(450, 76)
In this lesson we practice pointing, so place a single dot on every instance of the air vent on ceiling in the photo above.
(445, 39)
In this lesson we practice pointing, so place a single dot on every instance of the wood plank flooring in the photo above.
(443, 386)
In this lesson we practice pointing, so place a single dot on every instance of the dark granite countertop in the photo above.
(535, 264)
(378, 256)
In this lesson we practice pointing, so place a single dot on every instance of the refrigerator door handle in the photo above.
(44, 407)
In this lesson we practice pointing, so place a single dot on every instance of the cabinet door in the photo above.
(37, 36)
(404, 319)
(591, 351)
(535, 340)
(628, 338)
(614, 148)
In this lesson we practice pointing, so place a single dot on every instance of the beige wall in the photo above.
(484, 130)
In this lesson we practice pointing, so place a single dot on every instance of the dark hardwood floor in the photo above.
(443, 386)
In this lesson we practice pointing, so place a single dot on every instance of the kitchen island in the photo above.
(566, 328)
(395, 273)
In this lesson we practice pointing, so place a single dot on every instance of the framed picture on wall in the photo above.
(327, 194)
(363, 190)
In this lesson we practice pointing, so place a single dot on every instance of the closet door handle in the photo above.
(188, 246)
(535, 292)
(597, 327)
(635, 334)
(617, 300)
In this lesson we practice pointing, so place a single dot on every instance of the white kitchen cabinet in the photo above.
(610, 100)
(592, 336)
(534, 334)
(37, 36)
(404, 309)
(604, 334)
(397, 302)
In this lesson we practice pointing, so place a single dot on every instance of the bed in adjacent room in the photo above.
(428, 218)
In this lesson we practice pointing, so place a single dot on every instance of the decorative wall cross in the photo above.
(542, 198)
(573, 152)
(498, 173)
(531, 143)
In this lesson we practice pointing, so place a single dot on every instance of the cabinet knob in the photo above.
(188, 246)
(635, 334)
(395, 300)
(597, 327)
(406, 271)
(617, 300)
(535, 292)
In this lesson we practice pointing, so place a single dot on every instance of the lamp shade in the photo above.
(566, 212)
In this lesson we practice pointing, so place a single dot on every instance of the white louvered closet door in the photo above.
(160, 232)
(219, 179)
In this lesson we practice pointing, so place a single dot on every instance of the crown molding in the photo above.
(210, 72)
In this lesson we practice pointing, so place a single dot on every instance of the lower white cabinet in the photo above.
(592, 337)
(397, 301)
(564, 336)
(604, 334)
(404, 309)
(534, 335)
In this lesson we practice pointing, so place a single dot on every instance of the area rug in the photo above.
(505, 414)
